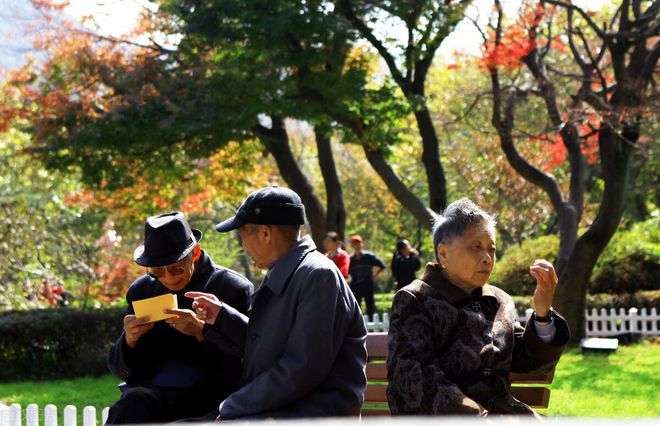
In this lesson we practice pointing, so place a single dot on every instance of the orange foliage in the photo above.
(516, 42)
(81, 64)
(554, 151)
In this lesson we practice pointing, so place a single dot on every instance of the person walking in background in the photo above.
(362, 272)
(405, 262)
(332, 244)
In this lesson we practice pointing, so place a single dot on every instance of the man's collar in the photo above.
(279, 273)
(434, 277)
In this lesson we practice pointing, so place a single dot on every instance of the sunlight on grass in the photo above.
(624, 384)
(99, 392)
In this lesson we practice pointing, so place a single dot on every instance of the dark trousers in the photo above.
(150, 404)
(365, 290)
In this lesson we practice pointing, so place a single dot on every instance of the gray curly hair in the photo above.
(457, 217)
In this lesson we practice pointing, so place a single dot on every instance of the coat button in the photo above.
(486, 372)
(487, 339)
(254, 336)
(476, 307)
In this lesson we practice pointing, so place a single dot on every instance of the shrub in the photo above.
(630, 262)
(640, 299)
(511, 273)
(57, 343)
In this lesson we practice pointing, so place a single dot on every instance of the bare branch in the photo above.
(410, 52)
(546, 49)
(476, 25)
(582, 13)
(623, 20)
(650, 63)
(576, 53)
(598, 103)
(429, 28)
(347, 10)
(637, 9)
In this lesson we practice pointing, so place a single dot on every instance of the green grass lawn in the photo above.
(624, 384)
(99, 392)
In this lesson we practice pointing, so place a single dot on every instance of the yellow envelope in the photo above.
(154, 307)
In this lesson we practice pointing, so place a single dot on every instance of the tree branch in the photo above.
(346, 9)
(582, 13)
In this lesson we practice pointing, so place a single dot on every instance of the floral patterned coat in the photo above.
(450, 352)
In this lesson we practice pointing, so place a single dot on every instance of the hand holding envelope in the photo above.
(147, 312)
(134, 328)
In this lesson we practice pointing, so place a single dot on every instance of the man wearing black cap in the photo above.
(303, 346)
(171, 372)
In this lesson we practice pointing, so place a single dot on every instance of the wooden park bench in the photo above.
(525, 387)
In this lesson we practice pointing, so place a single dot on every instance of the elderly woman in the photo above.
(454, 339)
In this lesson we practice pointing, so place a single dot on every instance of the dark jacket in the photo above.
(450, 352)
(361, 269)
(404, 268)
(167, 358)
(303, 345)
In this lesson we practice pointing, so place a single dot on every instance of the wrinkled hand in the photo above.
(546, 284)
(186, 322)
(134, 328)
(206, 305)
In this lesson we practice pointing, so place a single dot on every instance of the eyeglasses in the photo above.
(174, 269)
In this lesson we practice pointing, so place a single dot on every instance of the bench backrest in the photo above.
(376, 401)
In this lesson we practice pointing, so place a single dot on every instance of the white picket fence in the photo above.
(376, 324)
(13, 415)
(599, 322)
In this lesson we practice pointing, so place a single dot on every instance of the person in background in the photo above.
(363, 269)
(170, 371)
(332, 244)
(454, 339)
(405, 262)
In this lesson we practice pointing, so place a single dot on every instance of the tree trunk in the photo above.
(571, 294)
(336, 210)
(568, 232)
(400, 191)
(435, 175)
(276, 140)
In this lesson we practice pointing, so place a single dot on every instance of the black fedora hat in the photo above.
(271, 205)
(168, 238)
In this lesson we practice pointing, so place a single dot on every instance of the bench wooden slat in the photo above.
(375, 393)
(524, 378)
(377, 345)
(535, 397)
(377, 371)
(368, 412)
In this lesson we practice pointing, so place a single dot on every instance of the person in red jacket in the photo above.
(332, 244)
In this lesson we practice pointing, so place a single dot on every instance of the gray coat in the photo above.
(303, 346)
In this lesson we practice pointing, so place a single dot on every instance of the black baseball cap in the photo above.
(271, 205)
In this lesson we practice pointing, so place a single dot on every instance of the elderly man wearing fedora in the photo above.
(303, 345)
(170, 371)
